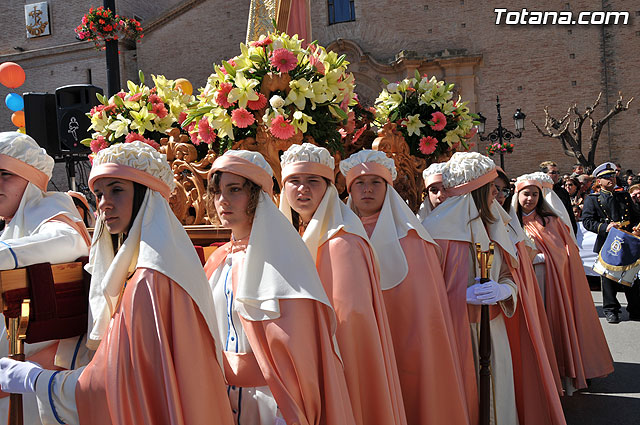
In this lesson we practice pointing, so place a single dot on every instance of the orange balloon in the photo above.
(17, 118)
(11, 75)
(184, 85)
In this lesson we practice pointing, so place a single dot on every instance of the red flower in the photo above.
(283, 60)
(261, 43)
(257, 104)
(121, 94)
(136, 97)
(101, 21)
(98, 144)
(160, 110)
(242, 118)
(439, 121)
(428, 145)
(317, 64)
(108, 28)
(205, 132)
(182, 117)
(281, 128)
(154, 98)
(223, 92)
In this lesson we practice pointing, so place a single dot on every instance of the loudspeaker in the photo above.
(41, 120)
(73, 103)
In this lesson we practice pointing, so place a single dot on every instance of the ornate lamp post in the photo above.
(501, 134)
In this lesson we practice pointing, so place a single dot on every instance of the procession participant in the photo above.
(601, 212)
(581, 348)
(414, 293)
(467, 217)
(550, 168)
(41, 227)
(348, 271)
(436, 193)
(274, 316)
(82, 205)
(535, 369)
(151, 312)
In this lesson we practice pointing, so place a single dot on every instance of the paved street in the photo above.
(615, 399)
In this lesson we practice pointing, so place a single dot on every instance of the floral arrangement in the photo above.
(142, 113)
(100, 25)
(431, 122)
(499, 148)
(276, 86)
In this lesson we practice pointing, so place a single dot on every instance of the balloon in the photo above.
(14, 102)
(18, 118)
(11, 75)
(184, 85)
(21, 130)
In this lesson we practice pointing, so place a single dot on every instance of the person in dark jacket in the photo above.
(601, 212)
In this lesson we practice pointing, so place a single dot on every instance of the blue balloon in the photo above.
(14, 102)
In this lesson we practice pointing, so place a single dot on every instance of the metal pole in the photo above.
(113, 61)
(500, 131)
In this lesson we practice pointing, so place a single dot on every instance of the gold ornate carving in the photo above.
(261, 16)
(409, 181)
(37, 26)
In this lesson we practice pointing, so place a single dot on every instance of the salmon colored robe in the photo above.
(156, 364)
(423, 336)
(581, 348)
(296, 356)
(535, 372)
(347, 270)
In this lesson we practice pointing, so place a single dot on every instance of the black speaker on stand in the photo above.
(73, 103)
(41, 120)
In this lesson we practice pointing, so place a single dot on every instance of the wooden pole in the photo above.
(485, 258)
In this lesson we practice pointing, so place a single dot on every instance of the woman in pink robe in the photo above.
(348, 271)
(581, 348)
(415, 298)
(151, 311)
(273, 313)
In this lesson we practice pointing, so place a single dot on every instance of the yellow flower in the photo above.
(243, 92)
(221, 122)
(120, 127)
(414, 124)
(142, 120)
(300, 121)
(300, 91)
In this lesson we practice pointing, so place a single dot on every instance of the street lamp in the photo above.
(501, 134)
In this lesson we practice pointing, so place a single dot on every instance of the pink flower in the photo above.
(281, 128)
(182, 117)
(121, 94)
(283, 60)
(317, 64)
(242, 118)
(136, 97)
(428, 145)
(261, 43)
(257, 104)
(358, 134)
(351, 122)
(160, 110)
(205, 132)
(193, 134)
(98, 144)
(471, 133)
(221, 95)
(439, 121)
(154, 98)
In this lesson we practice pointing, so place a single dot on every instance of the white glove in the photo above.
(487, 293)
(539, 258)
(18, 377)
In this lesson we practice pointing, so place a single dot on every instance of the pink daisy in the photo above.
(439, 121)
(262, 43)
(182, 117)
(98, 144)
(154, 98)
(281, 128)
(428, 145)
(258, 104)
(222, 95)
(205, 132)
(160, 110)
(317, 64)
(242, 118)
(283, 60)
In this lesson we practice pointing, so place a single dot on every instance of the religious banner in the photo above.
(262, 13)
(36, 17)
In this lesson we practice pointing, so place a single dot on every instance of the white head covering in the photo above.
(332, 214)
(458, 218)
(156, 239)
(553, 201)
(431, 175)
(276, 265)
(395, 219)
(21, 155)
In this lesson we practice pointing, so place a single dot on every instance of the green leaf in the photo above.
(230, 70)
(417, 74)
(338, 111)
(141, 76)
(256, 58)
(118, 101)
(86, 142)
(101, 98)
(385, 82)
(340, 61)
(393, 116)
